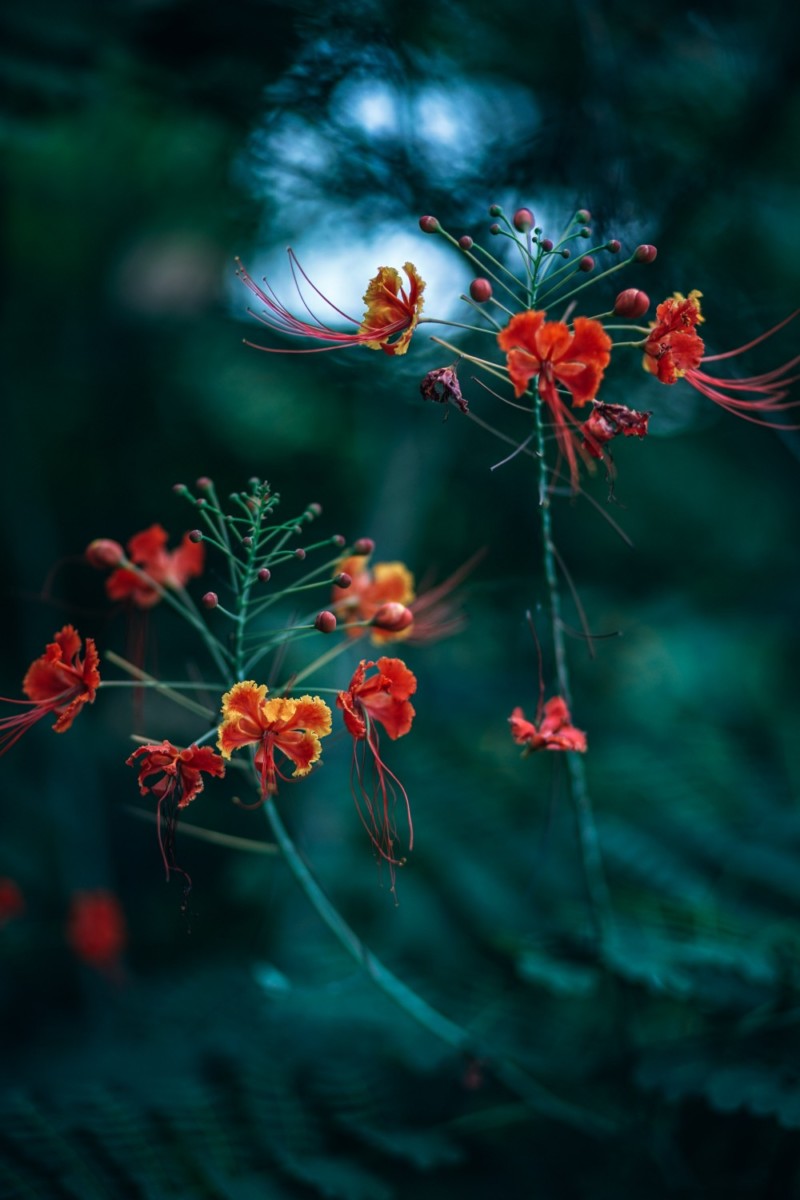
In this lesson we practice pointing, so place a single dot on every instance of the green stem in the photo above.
(447, 1031)
(589, 842)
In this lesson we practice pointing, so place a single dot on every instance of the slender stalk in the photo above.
(412, 1004)
(589, 842)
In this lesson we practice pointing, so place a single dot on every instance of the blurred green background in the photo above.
(147, 143)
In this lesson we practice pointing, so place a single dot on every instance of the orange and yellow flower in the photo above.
(293, 726)
(168, 569)
(371, 588)
(554, 730)
(391, 316)
(60, 682)
(673, 345)
(557, 355)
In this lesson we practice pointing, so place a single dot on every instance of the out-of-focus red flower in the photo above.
(370, 701)
(370, 589)
(174, 777)
(169, 569)
(553, 731)
(608, 421)
(96, 929)
(12, 902)
(58, 682)
(574, 359)
(392, 312)
(293, 726)
(674, 350)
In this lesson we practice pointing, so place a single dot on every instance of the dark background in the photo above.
(144, 146)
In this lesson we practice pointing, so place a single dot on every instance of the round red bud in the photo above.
(466, 242)
(614, 246)
(339, 539)
(363, 546)
(315, 509)
(204, 482)
(201, 502)
(343, 580)
(494, 229)
(585, 233)
(631, 303)
(565, 253)
(546, 244)
(393, 617)
(103, 552)
(247, 541)
(480, 290)
(495, 210)
(300, 553)
(325, 622)
(196, 535)
(265, 574)
(211, 600)
(429, 225)
(180, 489)
(645, 254)
(523, 219)
(586, 263)
(583, 216)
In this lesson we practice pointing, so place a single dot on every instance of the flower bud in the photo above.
(180, 489)
(325, 622)
(211, 600)
(429, 225)
(480, 290)
(204, 483)
(523, 219)
(583, 216)
(315, 509)
(585, 233)
(201, 502)
(546, 244)
(586, 263)
(644, 254)
(466, 242)
(363, 546)
(393, 617)
(247, 542)
(495, 210)
(103, 552)
(254, 482)
(196, 535)
(494, 229)
(265, 575)
(300, 553)
(343, 580)
(339, 540)
(614, 246)
(631, 303)
(565, 253)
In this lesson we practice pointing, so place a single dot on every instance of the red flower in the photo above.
(609, 420)
(380, 699)
(370, 589)
(554, 731)
(58, 682)
(12, 902)
(179, 779)
(391, 310)
(674, 350)
(293, 726)
(147, 550)
(549, 350)
(96, 929)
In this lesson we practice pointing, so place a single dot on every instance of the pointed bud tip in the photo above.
(103, 553)
(645, 254)
(523, 220)
(480, 290)
(393, 617)
(429, 224)
(631, 303)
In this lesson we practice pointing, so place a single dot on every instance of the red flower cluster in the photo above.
(96, 929)
(59, 682)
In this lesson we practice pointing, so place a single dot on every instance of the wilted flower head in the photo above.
(442, 386)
